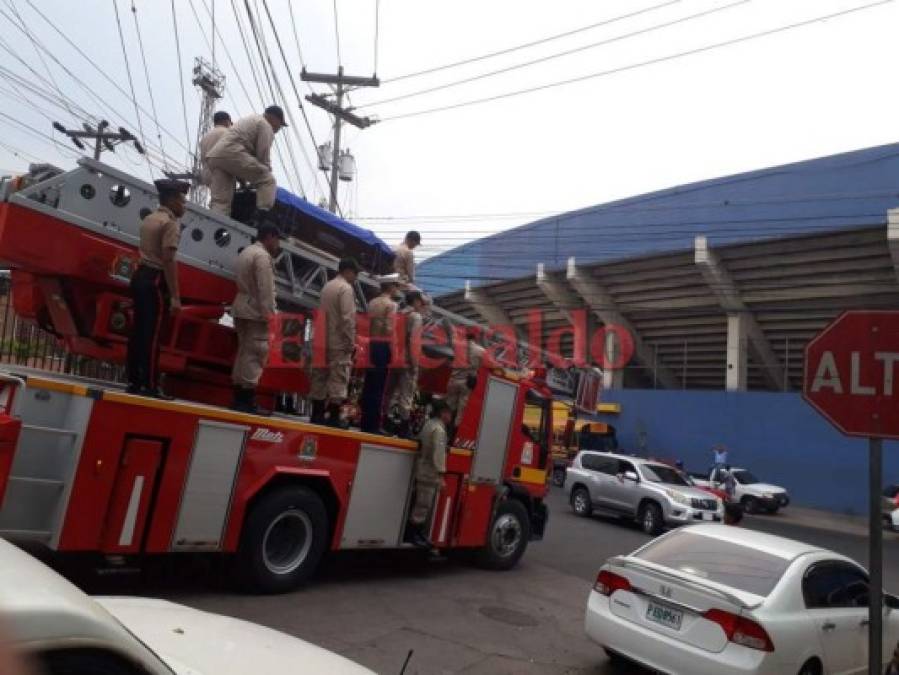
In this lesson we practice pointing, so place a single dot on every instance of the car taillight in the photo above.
(740, 630)
(609, 582)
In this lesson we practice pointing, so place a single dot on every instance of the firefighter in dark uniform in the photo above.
(154, 286)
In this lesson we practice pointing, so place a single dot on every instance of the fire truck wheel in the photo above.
(284, 537)
(507, 538)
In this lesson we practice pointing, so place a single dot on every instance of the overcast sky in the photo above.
(803, 93)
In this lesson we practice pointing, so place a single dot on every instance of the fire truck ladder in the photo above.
(111, 203)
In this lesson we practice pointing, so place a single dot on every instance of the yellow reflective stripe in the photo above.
(55, 385)
(529, 475)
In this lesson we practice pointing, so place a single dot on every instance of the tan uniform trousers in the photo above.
(252, 352)
(224, 171)
(456, 397)
(403, 388)
(331, 383)
(427, 486)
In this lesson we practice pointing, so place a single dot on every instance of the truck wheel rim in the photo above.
(506, 535)
(286, 542)
(580, 502)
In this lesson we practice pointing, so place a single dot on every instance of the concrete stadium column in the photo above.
(612, 379)
(737, 353)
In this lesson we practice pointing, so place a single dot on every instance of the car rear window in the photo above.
(724, 562)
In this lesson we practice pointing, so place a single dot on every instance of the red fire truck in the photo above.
(87, 467)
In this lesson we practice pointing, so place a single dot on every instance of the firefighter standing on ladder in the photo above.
(329, 385)
(244, 153)
(382, 316)
(154, 286)
(222, 122)
(404, 258)
(252, 308)
(430, 465)
(404, 381)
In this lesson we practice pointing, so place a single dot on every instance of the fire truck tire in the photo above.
(507, 538)
(283, 540)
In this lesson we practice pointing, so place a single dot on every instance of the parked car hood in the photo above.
(763, 487)
(686, 490)
(193, 642)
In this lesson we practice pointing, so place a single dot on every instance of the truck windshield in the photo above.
(659, 473)
(745, 478)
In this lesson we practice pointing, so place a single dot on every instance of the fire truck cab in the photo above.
(86, 467)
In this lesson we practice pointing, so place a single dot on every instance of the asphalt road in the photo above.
(374, 608)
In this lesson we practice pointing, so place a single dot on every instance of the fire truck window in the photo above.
(196, 234)
(88, 191)
(534, 423)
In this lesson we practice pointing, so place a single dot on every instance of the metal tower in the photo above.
(211, 83)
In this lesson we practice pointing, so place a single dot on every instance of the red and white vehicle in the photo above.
(86, 467)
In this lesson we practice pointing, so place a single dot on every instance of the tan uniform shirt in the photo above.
(432, 453)
(255, 298)
(206, 144)
(382, 314)
(338, 302)
(252, 134)
(158, 231)
(414, 323)
(404, 263)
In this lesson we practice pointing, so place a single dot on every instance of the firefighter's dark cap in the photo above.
(169, 186)
(348, 264)
(438, 405)
(278, 113)
(221, 116)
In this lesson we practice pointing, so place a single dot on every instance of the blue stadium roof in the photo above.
(852, 189)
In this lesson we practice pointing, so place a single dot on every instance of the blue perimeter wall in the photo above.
(775, 435)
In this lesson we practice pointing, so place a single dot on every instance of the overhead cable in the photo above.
(140, 126)
(143, 57)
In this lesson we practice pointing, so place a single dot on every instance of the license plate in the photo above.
(664, 615)
(708, 516)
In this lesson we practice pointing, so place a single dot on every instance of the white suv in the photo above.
(652, 493)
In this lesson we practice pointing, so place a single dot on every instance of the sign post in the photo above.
(849, 378)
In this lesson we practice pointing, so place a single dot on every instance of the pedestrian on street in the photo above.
(893, 666)
(244, 153)
(382, 319)
(404, 258)
(154, 286)
(329, 385)
(720, 454)
(404, 384)
(221, 123)
(430, 466)
(252, 308)
(730, 484)
(463, 380)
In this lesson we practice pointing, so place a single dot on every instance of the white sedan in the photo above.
(711, 599)
(49, 621)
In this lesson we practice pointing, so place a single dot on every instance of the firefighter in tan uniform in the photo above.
(404, 381)
(252, 308)
(463, 379)
(382, 320)
(244, 153)
(154, 286)
(430, 465)
(404, 258)
(329, 384)
(221, 123)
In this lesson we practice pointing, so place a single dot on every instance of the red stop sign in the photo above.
(852, 373)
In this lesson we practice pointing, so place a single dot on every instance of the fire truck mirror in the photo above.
(119, 195)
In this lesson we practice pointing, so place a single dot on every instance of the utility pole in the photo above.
(104, 140)
(343, 84)
(211, 84)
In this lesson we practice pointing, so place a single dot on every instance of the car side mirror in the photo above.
(890, 601)
(631, 475)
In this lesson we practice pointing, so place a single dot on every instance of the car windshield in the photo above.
(659, 473)
(744, 477)
(740, 567)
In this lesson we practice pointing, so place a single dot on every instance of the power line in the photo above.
(143, 57)
(181, 80)
(558, 55)
(533, 43)
(337, 34)
(140, 126)
(377, 30)
(634, 66)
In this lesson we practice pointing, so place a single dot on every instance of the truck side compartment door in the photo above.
(132, 494)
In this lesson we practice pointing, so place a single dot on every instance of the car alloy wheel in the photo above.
(580, 502)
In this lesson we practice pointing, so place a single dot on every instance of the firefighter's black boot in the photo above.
(317, 412)
(404, 429)
(242, 399)
(332, 415)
